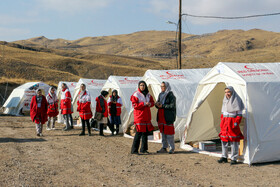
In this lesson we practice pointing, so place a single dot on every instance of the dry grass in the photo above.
(132, 54)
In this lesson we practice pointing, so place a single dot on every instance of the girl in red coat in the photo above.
(38, 111)
(66, 106)
(115, 110)
(230, 119)
(52, 108)
(142, 101)
(84, 109)
(102, 107)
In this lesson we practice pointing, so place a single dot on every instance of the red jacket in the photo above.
(52, 106)
(230, 130)
(165, 128)
(84, 106)
(142, 113)
(65, 102)
(101, 105)
(39, 115)
(118, 105)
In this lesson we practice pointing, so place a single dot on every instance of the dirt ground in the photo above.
(65, 159)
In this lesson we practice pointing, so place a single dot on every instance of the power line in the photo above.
(236, 17)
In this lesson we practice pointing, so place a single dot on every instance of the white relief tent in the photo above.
(183, 84)
(258, 85)
(93, 86)
(19, 100)
(125, 86)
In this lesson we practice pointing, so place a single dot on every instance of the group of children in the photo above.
(46, 109)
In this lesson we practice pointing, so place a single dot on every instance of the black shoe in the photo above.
(89, 134)
(233, 162)
(135, 153)
(222, 160)
(101, 134)
(145, 152)
(66, 129)
(82, 134)
(162, 150)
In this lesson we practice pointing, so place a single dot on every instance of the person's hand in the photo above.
(160, 105)
(149, 104)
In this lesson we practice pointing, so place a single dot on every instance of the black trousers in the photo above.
(136, 142)
(101, 127)
(84, 122)
(112, 127)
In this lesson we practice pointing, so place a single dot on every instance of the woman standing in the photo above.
(115, 107)
(142, 101)
(230, 119)
(52, 108)
(38, 111)
(65, 106)
(102, 109)
(84, 109)
(166, 116)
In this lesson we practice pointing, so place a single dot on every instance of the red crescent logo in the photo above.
(247, 67)
(168, 73)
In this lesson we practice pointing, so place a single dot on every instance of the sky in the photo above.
(74, 19)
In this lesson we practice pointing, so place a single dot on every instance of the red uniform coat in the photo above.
(65, 102)
(100, 101)
(118, 105)
(142, 113)
(165, 128)
(39, 115)
(230, 130)
(84, 106)
(52, 107)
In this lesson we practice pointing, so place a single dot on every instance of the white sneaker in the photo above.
(48, 129)
(53, 128)
(41, 134)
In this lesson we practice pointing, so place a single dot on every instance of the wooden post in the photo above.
(180, 36)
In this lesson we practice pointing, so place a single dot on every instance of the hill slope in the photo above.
(198, 50)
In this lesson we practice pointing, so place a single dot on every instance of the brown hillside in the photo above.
(132, 54)
(198, 50)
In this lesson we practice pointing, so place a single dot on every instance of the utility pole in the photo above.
(180, 36)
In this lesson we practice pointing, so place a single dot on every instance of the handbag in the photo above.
(98, 116)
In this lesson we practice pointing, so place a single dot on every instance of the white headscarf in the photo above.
(162, 95)
(84, 96)
(51, 97)
(234, 103)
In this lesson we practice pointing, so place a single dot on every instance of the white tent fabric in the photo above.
(183, 83)
(125, 86)
(258, 85)
(71, 86)
(94, 87)
(20, 98)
